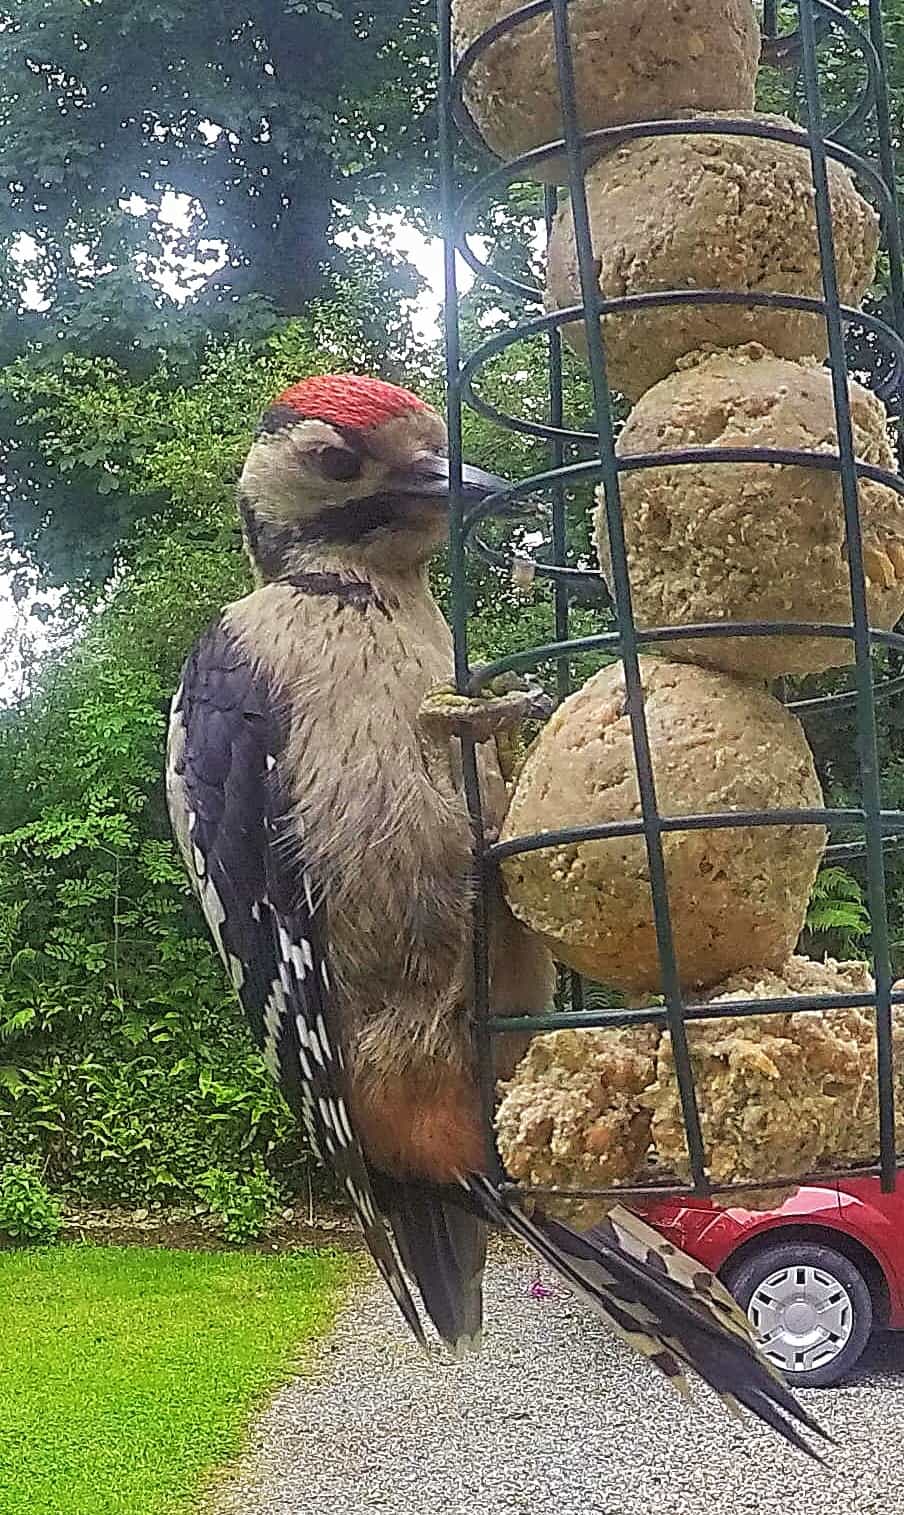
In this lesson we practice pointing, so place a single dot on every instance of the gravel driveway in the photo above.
(554, 1418)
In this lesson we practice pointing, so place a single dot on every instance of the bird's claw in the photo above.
(501, 707)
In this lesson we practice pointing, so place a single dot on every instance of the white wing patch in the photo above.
(275, 1012)
(214, 913)
(305, 1066)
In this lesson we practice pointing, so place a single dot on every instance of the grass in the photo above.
(127, 1374)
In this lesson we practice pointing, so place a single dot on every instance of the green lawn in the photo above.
(127, 1373)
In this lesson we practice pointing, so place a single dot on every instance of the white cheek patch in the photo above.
(281, 478)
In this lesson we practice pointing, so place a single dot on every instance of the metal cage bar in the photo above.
(581, 456)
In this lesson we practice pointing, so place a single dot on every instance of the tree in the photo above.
(279, 122)
(272, 116)
(123, 420)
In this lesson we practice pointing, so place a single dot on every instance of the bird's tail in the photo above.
(443, 1248)
(661, 1302)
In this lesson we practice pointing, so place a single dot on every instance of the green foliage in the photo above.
(833, 737)
(272, 120)
(28, 1210)
(102, 457)
(128, 1374)
(126, 1072)
(242, 1203)
(278, 127)
(125, 1065)
(127, 1068)
(838, 916)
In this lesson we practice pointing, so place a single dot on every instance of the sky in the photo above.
(427, 256)
(425, 253)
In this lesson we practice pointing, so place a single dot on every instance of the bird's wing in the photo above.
(263, 907)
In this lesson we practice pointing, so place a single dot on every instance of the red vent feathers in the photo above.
(347, 400)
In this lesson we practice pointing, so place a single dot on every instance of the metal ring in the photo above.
(505, 173)
(555, 320)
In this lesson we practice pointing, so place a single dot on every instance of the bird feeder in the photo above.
(549, 47)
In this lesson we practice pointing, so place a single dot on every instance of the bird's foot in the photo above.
(499, 708)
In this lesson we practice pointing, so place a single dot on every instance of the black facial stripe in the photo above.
(271, 543)
(250, 523)
(344, 524)
(357, 593)
(340, 526)
(268, 543)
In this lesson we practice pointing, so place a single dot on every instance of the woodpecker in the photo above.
(314, 783)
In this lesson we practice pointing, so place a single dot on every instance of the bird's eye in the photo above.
(339, 463)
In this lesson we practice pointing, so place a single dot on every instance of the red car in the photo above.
(814, 1276)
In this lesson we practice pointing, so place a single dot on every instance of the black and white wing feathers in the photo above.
(263, 907)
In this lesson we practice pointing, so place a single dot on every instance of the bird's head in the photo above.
(348, 468)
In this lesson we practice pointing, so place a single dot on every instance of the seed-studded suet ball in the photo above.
(779, 1095)
(632, 63)
(754, 541)
(731, 213)
(737, 894)
(572, 1116)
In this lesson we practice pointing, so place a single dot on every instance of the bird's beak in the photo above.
(427, 477)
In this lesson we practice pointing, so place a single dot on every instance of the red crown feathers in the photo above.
(348, 400)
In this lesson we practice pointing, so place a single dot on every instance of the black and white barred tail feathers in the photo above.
(672, 1310)
(264, 913)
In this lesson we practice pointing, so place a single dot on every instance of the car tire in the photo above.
(809, 1306)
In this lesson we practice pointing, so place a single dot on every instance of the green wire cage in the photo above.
(794, 38)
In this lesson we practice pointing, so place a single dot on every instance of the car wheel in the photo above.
(809, 1307)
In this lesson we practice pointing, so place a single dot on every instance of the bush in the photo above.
(126, 1068)
(28, 1210)
(243, 1203)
